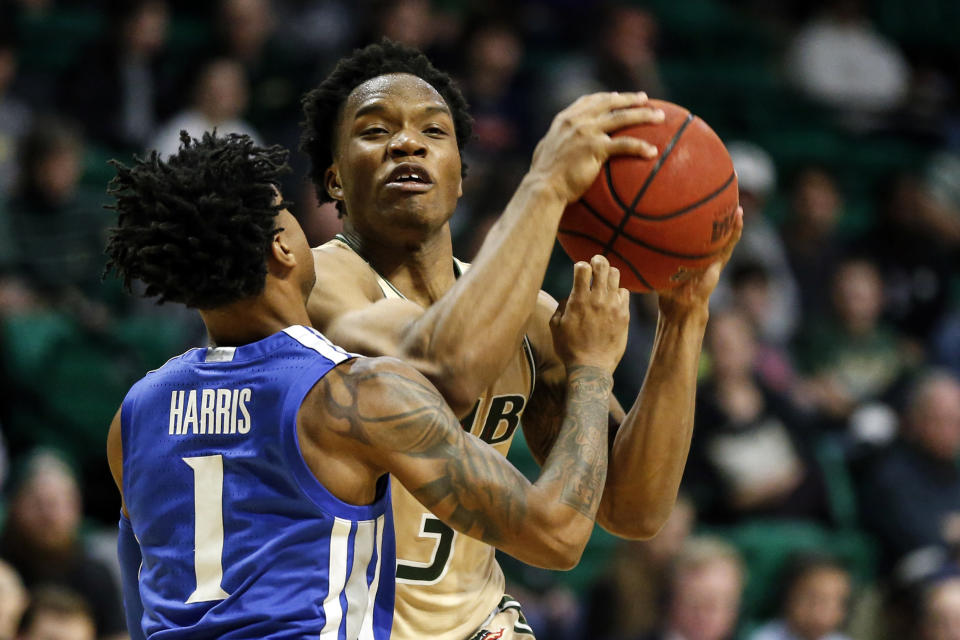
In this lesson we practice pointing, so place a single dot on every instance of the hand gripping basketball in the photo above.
(659, 220)
(570, 155)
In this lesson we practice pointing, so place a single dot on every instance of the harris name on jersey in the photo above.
(209, 411)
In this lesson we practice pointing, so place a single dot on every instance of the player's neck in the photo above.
(254, 319)
(421, 271)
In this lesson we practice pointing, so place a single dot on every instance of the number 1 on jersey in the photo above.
(208, 527)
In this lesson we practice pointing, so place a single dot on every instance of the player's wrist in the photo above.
(580, 372)
(685, 314)
(542, 188)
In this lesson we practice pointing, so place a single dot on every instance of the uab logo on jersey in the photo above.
(501, 421)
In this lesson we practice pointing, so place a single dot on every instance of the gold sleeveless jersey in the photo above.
(448, 583)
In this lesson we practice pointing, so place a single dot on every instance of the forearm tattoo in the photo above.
(580, 450)
(482, 494)
(486, 493)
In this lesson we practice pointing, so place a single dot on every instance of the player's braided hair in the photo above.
(197, 227)
(322, 106)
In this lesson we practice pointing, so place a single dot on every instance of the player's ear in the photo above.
(331, 180)
(281, 250)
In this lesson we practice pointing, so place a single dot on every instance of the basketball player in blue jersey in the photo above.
(253, 472)
(384, 132)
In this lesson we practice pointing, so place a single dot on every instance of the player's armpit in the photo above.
(407, 429)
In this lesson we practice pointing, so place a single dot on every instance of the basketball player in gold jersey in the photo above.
(384, 133)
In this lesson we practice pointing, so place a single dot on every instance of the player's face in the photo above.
(396, 161)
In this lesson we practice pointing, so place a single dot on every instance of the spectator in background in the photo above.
(910, 494)
(436, 28)
(761, 244)
(751, 289)
(842, 61)
(705, 586)
(627, 57)
(815, 603)
(624, 58)
(628, 600)
(499, 155)
(118, 89)
(408, 22)
(41, 539)
(322, 30)
(13, 601)
(57, 614)
(220, 98)
(916, 256)
(59, 226)
(275, 74)
(941, 182)
(751, 454)
(14, 116)
(497, 94)
(810, 236)
(940, 611)
(852, 357)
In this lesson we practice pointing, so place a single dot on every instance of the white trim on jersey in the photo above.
(357, 620)
(366, 629)
(317, 342)
(358, 593)
(220, 354)
(336, 578)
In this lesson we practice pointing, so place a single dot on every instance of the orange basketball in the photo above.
(656, 219)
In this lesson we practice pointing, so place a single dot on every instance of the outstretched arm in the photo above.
(649, 444)
(396, 421)
(493, 301)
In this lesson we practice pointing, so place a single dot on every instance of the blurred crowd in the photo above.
(822, 494)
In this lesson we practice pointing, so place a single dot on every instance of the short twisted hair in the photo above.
(197, 227)
(323, 105)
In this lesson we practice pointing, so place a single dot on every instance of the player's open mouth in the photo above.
(410, 177)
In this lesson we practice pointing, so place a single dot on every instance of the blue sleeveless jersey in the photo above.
(230, 534)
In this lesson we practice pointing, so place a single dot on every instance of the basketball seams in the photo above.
(646, 183)
(633, 269)
(662, 160)
(617, 232)
(596, 214)
(688, 208)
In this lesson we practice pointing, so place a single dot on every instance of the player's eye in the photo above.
(435, 130)
(373, 131)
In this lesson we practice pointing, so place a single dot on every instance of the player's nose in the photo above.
(406, 144)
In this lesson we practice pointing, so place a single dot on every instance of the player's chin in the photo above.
(414, 219)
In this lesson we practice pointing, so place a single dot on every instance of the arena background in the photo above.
(829, 410)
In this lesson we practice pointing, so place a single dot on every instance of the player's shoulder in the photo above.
(172, 365)
(344, 282)
(339, 268)
(155, 378)
(377, 387)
